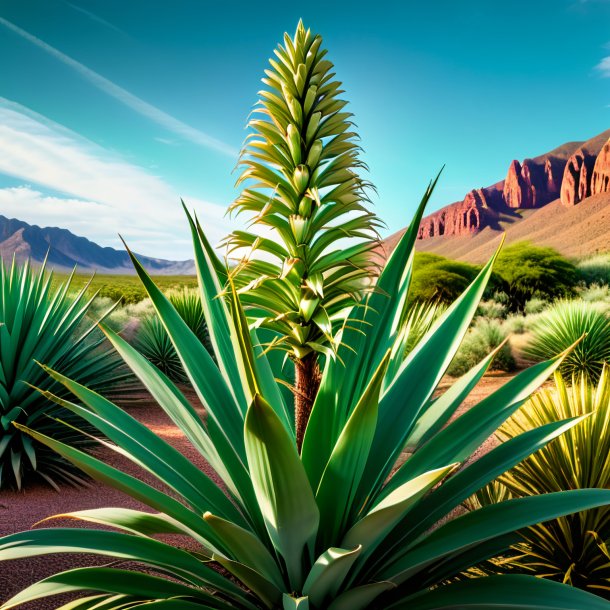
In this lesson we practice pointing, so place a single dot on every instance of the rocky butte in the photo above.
(571, 172)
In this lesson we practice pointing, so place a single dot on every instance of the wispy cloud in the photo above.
(141, 106)
(91, 191)
(603, 67)
(95, 18)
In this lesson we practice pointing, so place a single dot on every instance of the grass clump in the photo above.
(562, 325)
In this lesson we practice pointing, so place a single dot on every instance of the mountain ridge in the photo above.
(565, 177)
(65, 250)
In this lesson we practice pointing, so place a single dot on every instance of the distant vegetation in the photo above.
(127, 289)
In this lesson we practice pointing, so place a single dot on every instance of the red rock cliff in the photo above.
(600, 181)
(573, 172)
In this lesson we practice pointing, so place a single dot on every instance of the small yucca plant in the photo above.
(303, 189)
(42, 324)
(154, 343)
(572, 549)
(562, 325)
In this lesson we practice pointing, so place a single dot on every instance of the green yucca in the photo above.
(345, 524)
(565, 323)
(41, 324)
(572, 549)
(153, 341)
(302, 189)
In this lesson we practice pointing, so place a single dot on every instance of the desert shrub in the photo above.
(439, 279)
(561, 326)
(526, 271)
(491, 309)
(340, 520)
(595, 270)
(516, 324)
(535, 305)
(43, 324)
(484, 337)
(571, 549)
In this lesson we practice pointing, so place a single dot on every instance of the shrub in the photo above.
(526, 271)
(571, 549)
(439, 279)
(535, 305)
(561, 326)
(491, 309)
(345, 523)
(595, 270)
(43, 324)
(482, 339)
(155, 344)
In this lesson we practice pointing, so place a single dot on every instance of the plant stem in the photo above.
(306, 385)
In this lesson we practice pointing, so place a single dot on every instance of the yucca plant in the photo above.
(43, 324)
(326, 529)
(311, 259)
(565, 323)
(153, 341)
(572, 549)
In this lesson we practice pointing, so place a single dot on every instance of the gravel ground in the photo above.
(20, 511)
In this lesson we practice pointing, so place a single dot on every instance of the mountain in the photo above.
(66, 250)
(560, 199)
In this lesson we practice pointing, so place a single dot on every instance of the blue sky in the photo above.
(111, 110)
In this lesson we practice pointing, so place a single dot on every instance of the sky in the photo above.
(112, 110)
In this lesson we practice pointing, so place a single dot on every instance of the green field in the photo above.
(126, 288)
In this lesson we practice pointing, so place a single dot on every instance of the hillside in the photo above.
(574, 231)
(66, 250)
(560, 199)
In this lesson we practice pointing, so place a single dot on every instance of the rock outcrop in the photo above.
(532, 184)
(571, 172)
(576, 183)
(600, 181)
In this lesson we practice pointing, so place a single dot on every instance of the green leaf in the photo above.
(503, 593)
(342, 474)
(211, 387)
(246, 548)
(119, 546)
(478, 474)
(327, 575)
(371, 529)
(264, 589)
(281, 486)
(487, 523)
(360, 598)
(110, 581)
(459, 439)
(416, 381)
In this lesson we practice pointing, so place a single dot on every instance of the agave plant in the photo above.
(572, 549)
(565, 323)
(345, 524)
(302, 188)
(39, 323)
(153, 341)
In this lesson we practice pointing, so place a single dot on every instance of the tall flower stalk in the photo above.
(308, 256)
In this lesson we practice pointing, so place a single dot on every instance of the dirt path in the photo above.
(21, 511)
